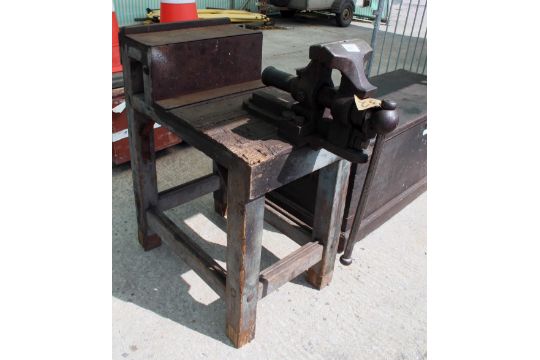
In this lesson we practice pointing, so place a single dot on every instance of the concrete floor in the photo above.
(373, 309)
(287, 48)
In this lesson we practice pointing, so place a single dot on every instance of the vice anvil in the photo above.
(323, 115)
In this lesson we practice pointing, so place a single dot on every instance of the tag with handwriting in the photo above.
(363, 104)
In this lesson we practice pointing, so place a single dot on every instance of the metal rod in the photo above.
(287, 225)
(393, 37)
(388, 15)
(403, 34)
(424, 68)
(345, 259)
(410, 35)
(418, 35)
(380, 9)
(421, 51)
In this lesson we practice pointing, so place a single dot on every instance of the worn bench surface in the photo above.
(224, 121)
(243, 139)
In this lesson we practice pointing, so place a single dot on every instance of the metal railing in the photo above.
(400, 43)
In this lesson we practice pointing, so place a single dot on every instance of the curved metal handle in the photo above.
(277, 78)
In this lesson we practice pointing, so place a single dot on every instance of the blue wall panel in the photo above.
(128, 10)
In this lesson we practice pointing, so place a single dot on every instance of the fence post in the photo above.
(378, 15)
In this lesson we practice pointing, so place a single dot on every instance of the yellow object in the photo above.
(236, 16)
(220, 11)
(363, 104)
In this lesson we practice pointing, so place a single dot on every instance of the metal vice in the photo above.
(341, 119)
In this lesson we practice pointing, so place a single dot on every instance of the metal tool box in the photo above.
(400, 172)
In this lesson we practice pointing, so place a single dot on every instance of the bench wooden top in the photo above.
(409, 90)
(250, 138)
(228, 133)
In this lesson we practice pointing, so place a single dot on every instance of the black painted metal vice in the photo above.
(342, 119)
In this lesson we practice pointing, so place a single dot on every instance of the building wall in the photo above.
(128, 10)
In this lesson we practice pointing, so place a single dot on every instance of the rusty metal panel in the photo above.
(193, 66)
(192, 33)
(189, 59)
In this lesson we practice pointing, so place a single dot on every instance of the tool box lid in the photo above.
(409, 90)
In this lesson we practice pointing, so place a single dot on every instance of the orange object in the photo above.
(177, 10)
(116, 65)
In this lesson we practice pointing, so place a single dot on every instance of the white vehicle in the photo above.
(344, 9)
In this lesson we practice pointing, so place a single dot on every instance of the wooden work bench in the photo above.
(193, 81)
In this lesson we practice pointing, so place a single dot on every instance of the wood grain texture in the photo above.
(142, 150)
(289, 267)
(249, 140)
(330, 200)
(143, 167)
(189, 191)
(244, 239)
(220, 195)
(189, 134)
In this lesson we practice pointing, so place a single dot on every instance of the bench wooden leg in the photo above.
(220, 196)
(143, 167)
(244, 240)
(329, 207)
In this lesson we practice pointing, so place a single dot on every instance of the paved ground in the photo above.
(287, 47)
(374, 309)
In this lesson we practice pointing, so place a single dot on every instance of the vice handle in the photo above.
(277, 78)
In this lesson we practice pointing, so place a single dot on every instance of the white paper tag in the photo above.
(119, 108)
(119, 135)
(363, 104)
(424, 133)
(351, 47)
(122, 134)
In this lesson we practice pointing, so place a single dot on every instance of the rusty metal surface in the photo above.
(160, 38)
(188, 99)
(409, 90)
(194, 66)
(325, 115)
